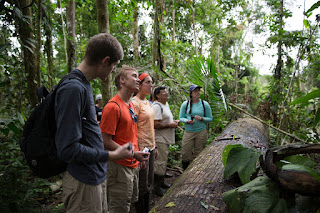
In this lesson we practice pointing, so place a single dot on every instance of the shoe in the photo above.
(168, 175)
(185, 165)
(159, 191)
(162, 184)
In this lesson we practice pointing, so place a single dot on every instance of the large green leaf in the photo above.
(313, 7)
(226, 151)
(312, 95)
(242, 160)
(259, 195)
(203, 72)
(299, 160)
(317, 119)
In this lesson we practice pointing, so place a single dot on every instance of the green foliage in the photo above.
(294, 167)
(226, 151)
(299, 163)
(260, 195)
(20, 191)
(241, 160)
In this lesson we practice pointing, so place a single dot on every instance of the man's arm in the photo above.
(158, 124)
(121, 152)
(108, 143)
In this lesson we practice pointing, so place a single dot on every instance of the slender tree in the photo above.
(135, 35)
(103, 27)
(27, 41)
(158, 60)
(71, 39)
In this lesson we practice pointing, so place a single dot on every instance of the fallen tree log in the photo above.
(300, 182)
(200, 187)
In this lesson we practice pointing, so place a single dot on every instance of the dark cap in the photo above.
(193, 87)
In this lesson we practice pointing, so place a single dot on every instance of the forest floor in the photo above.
(171, 175)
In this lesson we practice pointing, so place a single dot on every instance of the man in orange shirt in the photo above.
(118, 127)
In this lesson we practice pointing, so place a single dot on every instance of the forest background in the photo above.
(200, 41)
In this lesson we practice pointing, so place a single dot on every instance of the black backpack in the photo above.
(38, 140)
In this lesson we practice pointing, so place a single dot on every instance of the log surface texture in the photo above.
(200, 188)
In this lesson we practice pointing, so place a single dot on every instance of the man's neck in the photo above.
(163, 102)
(125, 95)
(88, 71)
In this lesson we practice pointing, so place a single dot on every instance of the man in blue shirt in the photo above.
(78, 137)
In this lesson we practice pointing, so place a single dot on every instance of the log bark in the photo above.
(200, 187)
(294, 181)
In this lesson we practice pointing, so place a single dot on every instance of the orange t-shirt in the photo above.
(145, 115)
(124, 130)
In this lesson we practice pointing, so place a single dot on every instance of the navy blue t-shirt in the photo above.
(78, 137)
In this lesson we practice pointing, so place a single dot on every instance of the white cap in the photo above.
(98, 97)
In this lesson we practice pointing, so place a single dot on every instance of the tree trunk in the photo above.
(103, 27)
(194, 28)
(71, 31)
(64, 33)
(135, 35)
(174, 31)
(157, 59)
(277, 73)
(203, 181)
(39, 44)
(48, 45)
(26, 36)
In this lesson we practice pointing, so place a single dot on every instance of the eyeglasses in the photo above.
(133, 115)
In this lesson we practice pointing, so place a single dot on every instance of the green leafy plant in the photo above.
(305, 99)
(260, 195)
(241, 160)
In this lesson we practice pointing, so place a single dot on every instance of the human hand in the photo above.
(122, 152)
(142, 165)
(190, 122)
(198, 118)
(156, 153)
(141, 156)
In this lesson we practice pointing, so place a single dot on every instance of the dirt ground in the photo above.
(171, 175)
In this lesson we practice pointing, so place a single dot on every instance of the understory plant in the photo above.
(260, 193)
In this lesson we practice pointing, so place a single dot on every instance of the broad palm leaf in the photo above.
(204, 73)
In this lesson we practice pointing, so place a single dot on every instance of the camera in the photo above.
(146, 150)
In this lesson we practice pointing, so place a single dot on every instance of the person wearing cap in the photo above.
(164, 135)
(195, 113)
(98, 107)
(146, 139)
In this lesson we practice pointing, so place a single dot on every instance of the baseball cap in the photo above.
(98, 97)
(193, 87)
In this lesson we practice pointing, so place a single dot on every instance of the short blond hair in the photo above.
(122, 73)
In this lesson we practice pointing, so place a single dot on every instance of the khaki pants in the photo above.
(122, 187)
(146, 176)
(160, 164)
(81, 197)
(192, 144)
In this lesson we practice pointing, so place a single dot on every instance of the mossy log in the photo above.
(200, 187)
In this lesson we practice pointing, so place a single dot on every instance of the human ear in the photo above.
(106, 60)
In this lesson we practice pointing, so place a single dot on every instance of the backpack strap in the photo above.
(187, 106)
(156, 103)
(204, 109)
(119, 116)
